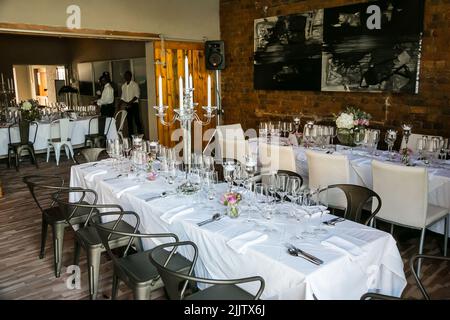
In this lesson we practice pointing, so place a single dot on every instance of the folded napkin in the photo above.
(121, 192)
(170, 215)
(90, 176)
(243, 241)
(346, 245)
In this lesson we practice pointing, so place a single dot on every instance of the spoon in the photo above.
(114, 178)
(215, 217)
(162, 195)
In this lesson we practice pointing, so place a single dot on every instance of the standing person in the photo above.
(130, 99)
(106, 101)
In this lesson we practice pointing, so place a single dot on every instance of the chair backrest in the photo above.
(404, 192)
(329, 169)
(173, 279)
(79, 211)
(42, 187)
(120, 117)
(273, 157)
(412, 141)
(92, 154)
(357, 197)
(63, 126)
(24, 131)
(101, 124)
(105, 233)
(231, 143)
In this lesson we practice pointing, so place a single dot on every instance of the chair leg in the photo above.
(17, 161)
(58, 242)
(115, 287)
(57, 153)
(422, 240)
(48, 153)
(76, 252)
(9, 158)
(43, 238)
(446, 234)
(94, 256)
(33, 156)
(142, 293)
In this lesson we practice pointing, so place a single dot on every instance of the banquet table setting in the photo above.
(78, 129)
(292, 245)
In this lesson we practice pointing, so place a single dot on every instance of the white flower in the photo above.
(345, 121)
(26, 106)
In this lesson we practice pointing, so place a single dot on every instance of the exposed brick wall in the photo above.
(429, 111)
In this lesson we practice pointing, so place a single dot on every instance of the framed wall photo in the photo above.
(367, 47)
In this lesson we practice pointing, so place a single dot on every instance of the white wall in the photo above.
(184, 19)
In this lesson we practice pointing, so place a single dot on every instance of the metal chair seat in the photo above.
(221, 292)
(141, 271)
(54, 215)
(57, 140)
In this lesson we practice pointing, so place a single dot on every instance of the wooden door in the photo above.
(170, 65)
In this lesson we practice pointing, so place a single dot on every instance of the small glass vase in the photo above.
(233, 211)
(346, 137)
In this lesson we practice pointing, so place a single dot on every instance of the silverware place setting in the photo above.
(333, 221)
(297, 252)
(215, 217)
(163, 194)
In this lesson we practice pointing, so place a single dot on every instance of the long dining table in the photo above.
(361, 172)
(356, 258)
(78, 130)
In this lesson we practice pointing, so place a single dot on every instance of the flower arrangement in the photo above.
(29, 110)
(352, 117)
(231, 199)
(348, 121)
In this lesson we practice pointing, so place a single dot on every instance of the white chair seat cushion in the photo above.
(434, 214)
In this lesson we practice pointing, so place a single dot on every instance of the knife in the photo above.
(332, 222)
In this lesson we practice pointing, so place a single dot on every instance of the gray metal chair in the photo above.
(89, 155)
(98, 139)
(87, 236)
(173, 279)
(41, 188)
(24, 144)
(357, 198)
(135, 269)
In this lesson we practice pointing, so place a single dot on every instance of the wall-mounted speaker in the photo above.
(215, 55)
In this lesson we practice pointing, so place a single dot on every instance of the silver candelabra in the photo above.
(186, 114)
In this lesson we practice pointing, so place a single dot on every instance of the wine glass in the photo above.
(228, 171)
(390, 138)
(293, 190)
(319, 199)
(208, 163)
(358, 136)
(282, 185)
(126, 146)
(239, 175)
(422, 146)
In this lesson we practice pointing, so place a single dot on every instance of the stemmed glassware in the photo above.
(228, 172)
(126, 147)
(282, 185)
(293, 190)
(390, 138)
(358, 136)
(422, 146)
(319, 199)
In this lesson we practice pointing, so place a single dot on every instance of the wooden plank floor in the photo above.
(24, 276)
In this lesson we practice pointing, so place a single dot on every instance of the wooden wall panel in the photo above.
(171, 67)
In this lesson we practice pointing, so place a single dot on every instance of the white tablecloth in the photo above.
(286, 277)
(361, 174)
(78, 130)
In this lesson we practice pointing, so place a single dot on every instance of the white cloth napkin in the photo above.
(170, 215)
(347, 246)
(243, 241)
(90, 176)
(121, 192)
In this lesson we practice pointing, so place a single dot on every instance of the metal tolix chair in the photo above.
(41, 188)
(135, 269)
(176, 282)
(87, 236)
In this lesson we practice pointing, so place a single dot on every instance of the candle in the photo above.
(186, 72)
(191, 86)
(181, 92)
(160, 91)
(209, 91)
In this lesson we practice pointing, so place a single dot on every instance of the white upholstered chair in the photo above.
(404, 194)
(231, 143)
(56, 141)
(329, 169)
(274, 157)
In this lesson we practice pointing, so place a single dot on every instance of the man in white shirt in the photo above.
(106, 101)
(130, 99)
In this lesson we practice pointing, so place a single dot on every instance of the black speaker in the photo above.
(215, 55)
